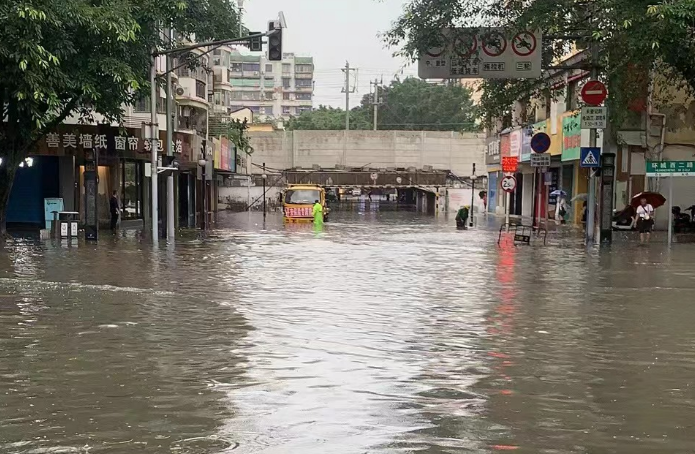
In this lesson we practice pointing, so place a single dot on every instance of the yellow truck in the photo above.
(298, 202)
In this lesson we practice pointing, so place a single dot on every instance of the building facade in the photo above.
(272, 90)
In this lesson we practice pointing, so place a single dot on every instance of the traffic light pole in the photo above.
(591, 195)
(154, 142)
(171, 220)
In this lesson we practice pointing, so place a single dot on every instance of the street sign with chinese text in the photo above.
(540, 160)
(510, 164)
(488, 53)
(594, 117)
(671, 168)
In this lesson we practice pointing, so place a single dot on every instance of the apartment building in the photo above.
(272, 90)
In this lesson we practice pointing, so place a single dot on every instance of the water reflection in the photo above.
(384, 333)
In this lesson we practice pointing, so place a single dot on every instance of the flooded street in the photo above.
(384, 333)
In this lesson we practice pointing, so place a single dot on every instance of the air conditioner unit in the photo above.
(180, 91)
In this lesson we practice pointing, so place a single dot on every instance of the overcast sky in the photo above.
(332, 32)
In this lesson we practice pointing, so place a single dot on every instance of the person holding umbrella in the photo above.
(645, 220)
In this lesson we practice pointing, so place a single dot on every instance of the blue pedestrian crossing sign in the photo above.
(590, 157)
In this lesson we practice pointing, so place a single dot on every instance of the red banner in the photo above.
(510, 164)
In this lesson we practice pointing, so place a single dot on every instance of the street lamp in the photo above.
(203, 163)
(264, 177)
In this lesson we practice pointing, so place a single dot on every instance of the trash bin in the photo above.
(65, 224)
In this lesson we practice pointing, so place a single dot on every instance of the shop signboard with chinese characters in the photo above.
(510, 164)
(483, 53)
(671, 168)
(493, 152)
(515, 143)
(571, 137)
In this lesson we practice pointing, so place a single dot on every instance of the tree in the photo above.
(329, 118)
(629, 37)
(412, 104)
(80, 57)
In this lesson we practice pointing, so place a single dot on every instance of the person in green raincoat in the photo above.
(462, 218)
(318, 213)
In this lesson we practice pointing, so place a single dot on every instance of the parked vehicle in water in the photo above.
(298, 203)
(681, 221)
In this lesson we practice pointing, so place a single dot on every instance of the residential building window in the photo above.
(235, 67)
(286, 68)
(269, 68)
(286, 96)
(236, 95)
(217, 51)
(269, 95)
(200, 89)
(286, 110)
(142, 105)
(302, 96)
(303, 83)
(301, 110)
(267, 110)
(251, 96)
(286, 82)
(251, 67)
(255, 109)
(304, 69)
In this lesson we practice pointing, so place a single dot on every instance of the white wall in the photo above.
(458, 197)
(527, 195)
(247, 195)
(375, 149)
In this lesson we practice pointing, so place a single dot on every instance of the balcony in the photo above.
(304, 75)
(200, 91)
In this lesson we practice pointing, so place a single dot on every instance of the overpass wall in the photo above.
(374, 149)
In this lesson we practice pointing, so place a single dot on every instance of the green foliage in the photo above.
(80, 57)
(630, 36)
(412, 104)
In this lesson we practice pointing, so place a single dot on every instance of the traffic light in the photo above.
(256, 44)
(274, 41)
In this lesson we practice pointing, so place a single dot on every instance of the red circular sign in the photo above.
(494, 44)
(524, 44)
(508, 183)
(594, 93)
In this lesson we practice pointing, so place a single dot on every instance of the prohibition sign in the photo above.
(494, 44)
(524, 43)
(437, 51)
(466, 41)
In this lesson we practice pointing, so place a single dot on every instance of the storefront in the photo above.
(492, 160)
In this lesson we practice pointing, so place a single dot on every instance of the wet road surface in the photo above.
(384, 333)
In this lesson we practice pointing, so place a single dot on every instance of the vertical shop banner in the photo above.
(571, 137)
(217, 157)
(505, 146)
(225, 153)
(515, 143)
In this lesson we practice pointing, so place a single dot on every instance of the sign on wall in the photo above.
(483, 53)
(571, 137)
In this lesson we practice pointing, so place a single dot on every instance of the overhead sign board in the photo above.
(594, 117)
(508, 183)
(540, 160)
(671, 168)
(483, 53)
(510, 164)
(594, 93)
(590, 157)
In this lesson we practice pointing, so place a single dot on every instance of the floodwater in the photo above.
(383, 333)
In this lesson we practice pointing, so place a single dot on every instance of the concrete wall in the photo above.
(458, 197)
(374, 149)
(246, 195)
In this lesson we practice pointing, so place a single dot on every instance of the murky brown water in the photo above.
(381, 334)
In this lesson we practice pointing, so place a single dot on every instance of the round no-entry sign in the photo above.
(594, 93)
(508, 183)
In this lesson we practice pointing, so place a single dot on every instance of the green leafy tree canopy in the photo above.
(60, 58)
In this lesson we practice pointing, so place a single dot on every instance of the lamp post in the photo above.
(472, 195)
(203, 163)
(264, 177)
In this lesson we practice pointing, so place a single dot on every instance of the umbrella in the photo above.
(653, 198)
(582, 196)
(559, 192)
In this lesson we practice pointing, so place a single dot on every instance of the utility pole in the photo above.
(347, 95)
(171, 222)
(154, 95)
(591, 195)
(376, 102)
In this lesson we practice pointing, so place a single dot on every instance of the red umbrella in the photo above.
(653, 198)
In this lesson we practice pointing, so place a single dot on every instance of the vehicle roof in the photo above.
(304, 186)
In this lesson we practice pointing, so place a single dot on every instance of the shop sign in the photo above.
(493, 152)
(66, 141)
(510, 164)
(515, 143)
(505, 145)
(571, 137)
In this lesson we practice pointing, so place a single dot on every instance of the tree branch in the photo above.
(67, 110)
